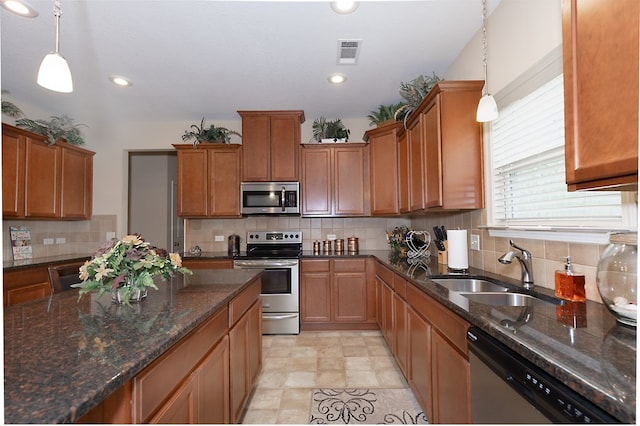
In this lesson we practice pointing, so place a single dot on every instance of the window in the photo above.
(526, 155)
(528, 181)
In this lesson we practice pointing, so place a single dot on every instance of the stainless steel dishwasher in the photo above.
(506, 388)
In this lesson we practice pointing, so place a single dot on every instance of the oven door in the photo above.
(279, 283)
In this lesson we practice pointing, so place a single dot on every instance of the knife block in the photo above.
(442, 255)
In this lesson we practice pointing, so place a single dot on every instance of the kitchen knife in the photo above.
(438, 233)
(444, 232)
(440, 245)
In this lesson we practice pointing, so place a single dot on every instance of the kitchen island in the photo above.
(63, 357)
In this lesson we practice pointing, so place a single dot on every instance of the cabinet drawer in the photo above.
(385, 274)
(241, 303)
(349, 265)
(315, 265)
(449, 324)
(156, 382)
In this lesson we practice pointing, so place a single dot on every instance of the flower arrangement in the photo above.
(127, 266)
(397, 239)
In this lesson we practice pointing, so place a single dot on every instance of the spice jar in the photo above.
(326, 246)
(339, 246)
(316, 247)
(352, 244)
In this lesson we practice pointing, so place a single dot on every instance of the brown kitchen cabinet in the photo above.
(601, 93)
(192, 263)
(416, 162)
(419, 358)
(42, 181)
(335, 180)
(271, 142)
(444, 131)
(335, 293)
(403, 171)
(384, 169)
(208, 180)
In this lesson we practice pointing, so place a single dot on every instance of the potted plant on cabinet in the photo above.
(413, 92)
(211, 134)
(330, 130)
(385, 113)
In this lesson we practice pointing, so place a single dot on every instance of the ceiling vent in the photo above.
(348, 51)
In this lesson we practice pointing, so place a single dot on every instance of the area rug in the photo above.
(365, 406)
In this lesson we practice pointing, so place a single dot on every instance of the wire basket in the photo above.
(418, 244)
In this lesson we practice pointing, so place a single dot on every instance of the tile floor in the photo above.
(294, 365)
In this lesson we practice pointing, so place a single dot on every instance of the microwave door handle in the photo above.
(282, 194)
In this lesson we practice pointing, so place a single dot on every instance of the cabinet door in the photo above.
(214, 385)
(316, 181)
(419, 357)
(42, 179)
(13, 152)
(315, 297)
(387, 314)
(400, 333)
(285, 146)
(349, 297)
(433, 157)
(77, 184)
(192, 182)
(451, 383)
(224, 181)
(383, 150)
(183, 406)
(403, 173)
(255, 342)
(256, 158)
(416, 166)
(600, 55)
(349, 181)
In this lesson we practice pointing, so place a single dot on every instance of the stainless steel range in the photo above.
(278, 254)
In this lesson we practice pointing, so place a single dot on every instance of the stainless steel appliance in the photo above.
(270, 197)
(506, 388)
(278, 254)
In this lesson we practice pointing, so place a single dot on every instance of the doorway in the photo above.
(152, 199)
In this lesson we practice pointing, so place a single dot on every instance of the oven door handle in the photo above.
(279, 317)
(263, 265)
(282, 198)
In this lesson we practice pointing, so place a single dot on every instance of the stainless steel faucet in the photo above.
(525, 259)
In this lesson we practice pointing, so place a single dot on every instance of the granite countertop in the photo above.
(11, 265)
(63, 357)
(580, 344)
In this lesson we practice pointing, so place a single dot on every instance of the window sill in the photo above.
(570, 235)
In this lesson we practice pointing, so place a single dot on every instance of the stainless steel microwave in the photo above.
(270, 197)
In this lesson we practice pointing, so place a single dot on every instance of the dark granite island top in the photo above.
(63, 357)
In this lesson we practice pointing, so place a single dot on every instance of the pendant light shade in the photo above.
(487, 107)
(54, 73)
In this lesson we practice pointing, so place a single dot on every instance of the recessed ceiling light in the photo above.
(344, 6)
(120, 81)
(337, 78)
(19, 7)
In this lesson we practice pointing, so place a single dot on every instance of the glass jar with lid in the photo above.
(617, 277)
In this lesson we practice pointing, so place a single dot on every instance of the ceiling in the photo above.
(192, 59)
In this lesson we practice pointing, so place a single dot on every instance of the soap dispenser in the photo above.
(570, 285)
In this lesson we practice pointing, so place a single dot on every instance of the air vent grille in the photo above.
(348, 51)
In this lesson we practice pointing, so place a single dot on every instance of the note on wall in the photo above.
(21, 242)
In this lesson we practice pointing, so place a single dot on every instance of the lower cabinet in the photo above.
(335, 292)
(183, 406)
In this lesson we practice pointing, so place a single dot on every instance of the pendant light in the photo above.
(487, 107)
(54, 73)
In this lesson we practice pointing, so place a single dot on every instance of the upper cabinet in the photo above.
(445, 154)
(42, 181)
(271, 145)
(600, 55)
(209, 180)
(335, 180)
(384, 165)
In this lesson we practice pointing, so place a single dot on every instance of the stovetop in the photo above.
(273, 245)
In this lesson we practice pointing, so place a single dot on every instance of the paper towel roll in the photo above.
(458, 255)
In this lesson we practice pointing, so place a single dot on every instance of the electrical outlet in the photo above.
(218, 238)
(331, 237)
(61, 240)
(110, 235)
(48, 241)
(475, 242)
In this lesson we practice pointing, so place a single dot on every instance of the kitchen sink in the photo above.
(470, 285)
(505, 299)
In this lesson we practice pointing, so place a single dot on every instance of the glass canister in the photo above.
(617, 277)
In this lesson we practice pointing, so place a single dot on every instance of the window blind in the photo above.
(527, 159)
